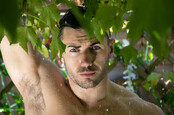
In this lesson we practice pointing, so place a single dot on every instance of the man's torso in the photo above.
(49, 97)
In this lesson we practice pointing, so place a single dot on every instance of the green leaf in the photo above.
(170, 76)
(106, 16)
(46, 33)
(56, 44)
(44, 51)
(98, 31)
(1, 33)
(156, 18)
(160, 44)
(25, 34)
(147, 86)
(129, 53)
(153, 78)
(50, 15)
(92, 6)
(9, 17)
(35, 5)
(150, 56)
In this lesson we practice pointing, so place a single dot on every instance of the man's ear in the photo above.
(111, 48)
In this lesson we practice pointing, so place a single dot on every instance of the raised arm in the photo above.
(26, 68)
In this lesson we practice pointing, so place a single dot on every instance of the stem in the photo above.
(2, 81)
(36, 18)
(147, 47)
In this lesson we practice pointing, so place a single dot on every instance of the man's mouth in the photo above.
(87, 74)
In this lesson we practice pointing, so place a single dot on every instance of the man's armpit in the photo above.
(32, 94)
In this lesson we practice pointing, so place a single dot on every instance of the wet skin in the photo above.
(87, 91)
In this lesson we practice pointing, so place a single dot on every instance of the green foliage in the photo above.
(56, 44)
(156, 17)
(9, 17)
(25, 34)
(129, 53)
(50, 15)
(170, 76)
(169, 97)
(153, 78)
(147, 87)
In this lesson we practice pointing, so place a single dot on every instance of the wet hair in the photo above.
(69, 20)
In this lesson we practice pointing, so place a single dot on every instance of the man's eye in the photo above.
(95, 47)
(73, 50)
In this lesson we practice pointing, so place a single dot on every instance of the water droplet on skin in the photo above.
(61, 85)
(107, 110)
(99, 106)
(129, 113)
(129, 103)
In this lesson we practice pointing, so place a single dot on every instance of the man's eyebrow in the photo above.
(74, 46)
(95, 43)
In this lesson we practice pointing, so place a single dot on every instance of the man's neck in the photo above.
(91, 96)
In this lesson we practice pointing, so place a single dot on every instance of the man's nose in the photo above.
(87, 58)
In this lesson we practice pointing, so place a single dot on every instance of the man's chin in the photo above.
(88, 83)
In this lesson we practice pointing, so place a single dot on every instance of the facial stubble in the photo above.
(88, 82)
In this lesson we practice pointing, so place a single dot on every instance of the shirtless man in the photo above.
(87, 91)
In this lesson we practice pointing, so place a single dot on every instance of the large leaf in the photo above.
(154, 16)
(8, 17)
(106, 16)
(129, 53)
(153, 78)
(92, 6)
(56, 44)
(25, 34)
(50, 15)
(98, 31)
(43, 50)
(35, 5)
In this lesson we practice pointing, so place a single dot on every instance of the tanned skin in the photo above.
(87, 91)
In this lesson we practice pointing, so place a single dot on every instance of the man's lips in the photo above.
(87, 73)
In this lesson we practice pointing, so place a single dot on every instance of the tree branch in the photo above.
(6, 89)
(114, 64)
(171, 58)
(153, 65)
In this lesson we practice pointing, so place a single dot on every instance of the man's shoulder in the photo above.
(121, 92)
(134, 103)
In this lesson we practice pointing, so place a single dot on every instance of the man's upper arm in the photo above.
(157, 110)
(152, 109)
(19, 63)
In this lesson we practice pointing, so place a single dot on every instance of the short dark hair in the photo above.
(69, 20)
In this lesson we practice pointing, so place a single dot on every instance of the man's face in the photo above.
(86, 61)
